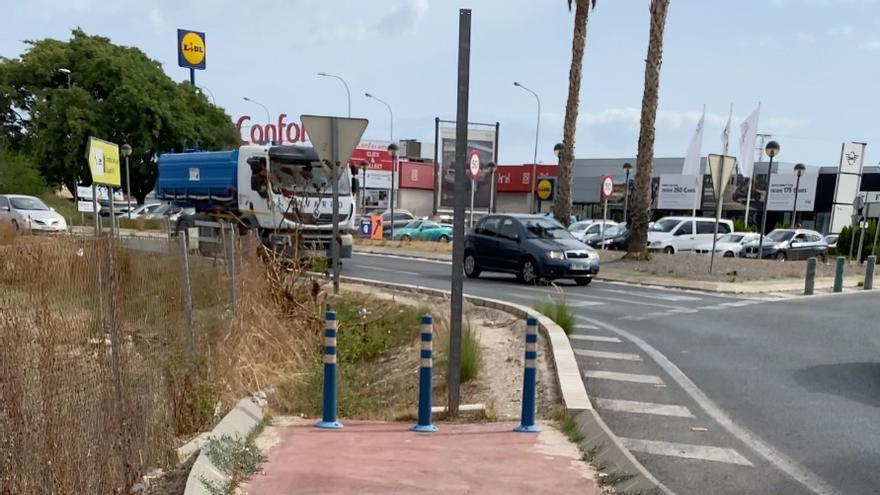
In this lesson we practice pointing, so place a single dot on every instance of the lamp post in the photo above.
(772, 149)
(202, 89)
(535, 158)
(364, 166)
(347, 92)
(799, 170)
(393, 150)
(390, 113)
(268, 118)
(66, 71)
(627, 168)
(126, 152)
(557, 150)
(491, 167)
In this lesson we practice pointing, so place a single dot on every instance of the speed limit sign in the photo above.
(607, 187)
(474, 165)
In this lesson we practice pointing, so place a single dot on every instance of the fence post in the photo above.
(328, 416)
(810, 283)
(527, 421)
(187, 294)
(869, 272)
(425, 384)
(838, 274)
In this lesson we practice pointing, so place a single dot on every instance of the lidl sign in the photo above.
(190, 49)
(546, 189)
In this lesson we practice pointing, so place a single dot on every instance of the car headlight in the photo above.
(556, 255)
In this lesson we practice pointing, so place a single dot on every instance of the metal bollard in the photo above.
(328, 416)
(527, 421)
(869, 272)
(838, 274)
(810, 283)
(426, 355)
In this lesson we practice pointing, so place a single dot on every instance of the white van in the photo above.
(683, 234)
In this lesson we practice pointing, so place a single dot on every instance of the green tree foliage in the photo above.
(847, 237)
(116, 93)
(19, 175)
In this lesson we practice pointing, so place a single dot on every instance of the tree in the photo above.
(116, 93)
(19, 175)
(562, 205)
(641, 213)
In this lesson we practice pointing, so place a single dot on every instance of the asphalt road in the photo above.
(716, 394)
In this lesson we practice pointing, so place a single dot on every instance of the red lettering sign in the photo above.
(271, 133)
(518, 178)
(416, 175)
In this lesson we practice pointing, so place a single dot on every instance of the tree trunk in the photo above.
(641, 213)
(562, 205)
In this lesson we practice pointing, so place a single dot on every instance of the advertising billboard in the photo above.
(481, 141)
(782, 186)
(677, 192)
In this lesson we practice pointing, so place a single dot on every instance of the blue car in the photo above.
(532, 247)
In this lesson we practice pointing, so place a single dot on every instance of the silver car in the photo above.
(29, 214)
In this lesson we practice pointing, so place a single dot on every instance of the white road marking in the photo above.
(623, 356)
(684, 311)
(584, 304)
(632, 406)
(685, 450)
(595, 338)
(586, 327)
(388, 270)
(407, 258)
(569, 296)
(802, 474)
(671, 298)
(623, 377)
(633, 318)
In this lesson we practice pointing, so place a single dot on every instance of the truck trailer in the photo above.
(283, 193)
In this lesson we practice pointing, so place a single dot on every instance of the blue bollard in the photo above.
(527, 421)
(426, 355)
(328, 417)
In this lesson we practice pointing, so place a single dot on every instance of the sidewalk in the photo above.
(386, 458)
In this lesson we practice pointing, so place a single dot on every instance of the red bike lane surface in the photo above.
(386, 458)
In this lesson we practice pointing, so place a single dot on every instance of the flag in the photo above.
(748, 133)
(692, 159)
(725, 134)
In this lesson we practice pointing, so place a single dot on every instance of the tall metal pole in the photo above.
(390, 114)
(764, 211)
(437, 179)
(626, 197)
(393, 175)
(268, 118)
(128, 185)
(537, 132)
(334, 174)
(797, 186)
(461, 128)
(347, 91)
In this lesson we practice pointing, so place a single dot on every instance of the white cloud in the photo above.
(873, 45)
(631, 116)
(844, 30)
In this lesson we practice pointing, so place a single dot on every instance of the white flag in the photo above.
(725, 134)
(692, 159)
(748, 134)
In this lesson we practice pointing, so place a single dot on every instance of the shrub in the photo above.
(19, 174)
(471, 354)
(847, 237)
(740, 226)
(558, 311)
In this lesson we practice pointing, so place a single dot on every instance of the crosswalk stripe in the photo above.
(644, 408)
(660, 297)
(595, 338)
(623, 377)
(624, 356)
(687, 451)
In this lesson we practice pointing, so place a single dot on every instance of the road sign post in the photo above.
(334, 139)
(474, 174)
(607, 191)
(720, 167)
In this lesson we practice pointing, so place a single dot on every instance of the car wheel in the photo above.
(528, 272)
(780, 256)
(471, 267)
(405, 238)
(444, 238)
(15, 226)
(669, 250)
(580, 282)
(823, 257)
(729, 254)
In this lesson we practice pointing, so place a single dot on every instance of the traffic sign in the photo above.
(720, 168)
(546, 189)
(607, 187)
(474, 165)
(338, 149)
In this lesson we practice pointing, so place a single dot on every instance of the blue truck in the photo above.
(283, 193)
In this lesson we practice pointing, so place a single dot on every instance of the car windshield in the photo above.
(731, 238)
(612, 230)
(545, 229)
(780, 235)
(309, 179)
(579, 227)
(30, 204)
(413, 225)
(665, 225)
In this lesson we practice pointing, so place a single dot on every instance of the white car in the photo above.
(683, 234)
(728, 245)
(586, 228)
(29, 214)
(142, 210)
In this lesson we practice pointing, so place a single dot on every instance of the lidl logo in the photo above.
(546, 189)
(190, 49)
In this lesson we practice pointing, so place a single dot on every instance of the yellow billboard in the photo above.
(104, 162)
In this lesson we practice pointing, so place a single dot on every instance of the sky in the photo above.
(813, 65)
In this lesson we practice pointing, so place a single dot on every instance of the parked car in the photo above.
(620, 239)
(789, 244)
(141, 211)
(30, 214)
(586, 228)
(831, 240)
(530, 246)
(728, 245)
(597, 238)
(423, 230)
(401, 219)
(171, 212)
(681, 234)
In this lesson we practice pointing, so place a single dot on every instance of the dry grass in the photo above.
(7, 233)
(433, 247)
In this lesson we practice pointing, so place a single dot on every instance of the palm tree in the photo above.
(562, 205)
(641, 214)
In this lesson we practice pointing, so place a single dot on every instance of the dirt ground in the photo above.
(434, 247)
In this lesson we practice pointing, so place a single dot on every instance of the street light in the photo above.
(393, 149)
(492, 167)
(627, 168)
(126, 152)
(202, 89)
(268, 118)
(66, 71)
(390, 113)
(364, 166)
(347, 92)
(799, 170)
(537, 131)
(772, 149)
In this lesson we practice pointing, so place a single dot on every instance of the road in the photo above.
(716, 394)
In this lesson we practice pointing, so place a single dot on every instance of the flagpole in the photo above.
(699, 168)
(752, 183)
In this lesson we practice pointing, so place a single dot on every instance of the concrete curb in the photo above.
(605, 448)
(237, 423)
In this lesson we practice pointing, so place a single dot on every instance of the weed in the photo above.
(571, 430)
(558, 311)
(615, 478)
(236, 457)
(471, 353)
(319, 264)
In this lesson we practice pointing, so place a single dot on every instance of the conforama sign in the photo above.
(281, 132)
